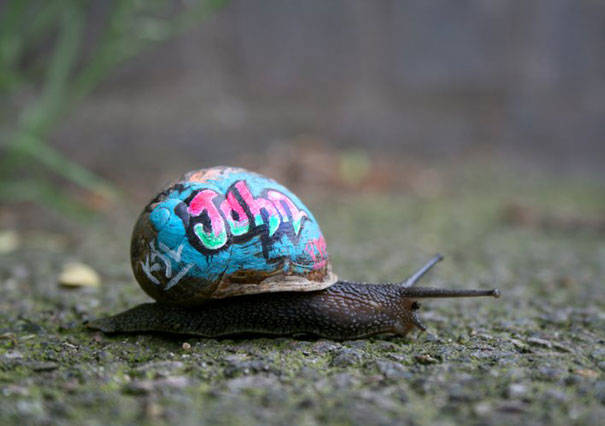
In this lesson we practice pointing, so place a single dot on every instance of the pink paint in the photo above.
(203, 201)
(231, 215)
(256, 204)
(241, 225)
(318, 252)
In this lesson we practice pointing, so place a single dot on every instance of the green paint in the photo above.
(210, 240)
(236, 229)
(273, 224)
(296, 225)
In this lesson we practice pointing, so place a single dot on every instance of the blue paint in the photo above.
(258, 252)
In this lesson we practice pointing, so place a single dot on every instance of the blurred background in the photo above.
(106, 99)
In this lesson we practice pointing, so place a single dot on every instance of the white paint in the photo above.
(158, 260)
(176, 255)
(175, 280)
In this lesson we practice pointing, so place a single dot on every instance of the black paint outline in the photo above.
(286, 227)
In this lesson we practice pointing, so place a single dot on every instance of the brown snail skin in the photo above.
(345, 310)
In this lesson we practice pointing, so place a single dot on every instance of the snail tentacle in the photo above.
(422, 271)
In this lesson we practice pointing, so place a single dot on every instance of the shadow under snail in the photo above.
(226, 251)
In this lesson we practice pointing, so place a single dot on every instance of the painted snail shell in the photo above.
(227, 251)
(224, 232)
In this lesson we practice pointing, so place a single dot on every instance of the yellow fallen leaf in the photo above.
(9, 241)
(75, 274)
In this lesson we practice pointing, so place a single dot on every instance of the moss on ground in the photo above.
(536, 355)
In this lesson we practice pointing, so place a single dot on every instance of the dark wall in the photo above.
(435, 78)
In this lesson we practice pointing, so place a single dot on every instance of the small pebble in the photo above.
(12, 355)
(9, 336)
(512, 407)
(535, 341)
(589, 374)
(44, 366)
(561, 347)
(139, 387)
(598, 354)
(246, 367)
(28, 337)
(482, 408)
(425, 359)
(458, 393)
(556, 395)
(345, 358)
(159, 368)
(548, 373)
(517, 391)
(308, 373)
(256, 382)
(520, 346)
(153, 410)
(342, 380)
(104, 356)
(599, 391)
(186, 346)
(15, 390)
(324, 346)
(142, 387)
(387, 346)
(393, 370)
(432, 338)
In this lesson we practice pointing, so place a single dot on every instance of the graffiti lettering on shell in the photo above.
(318, 252)
(213, 219)
(160, 260)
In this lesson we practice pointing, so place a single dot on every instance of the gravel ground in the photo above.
(534, 356)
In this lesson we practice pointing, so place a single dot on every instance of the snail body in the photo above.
(226, 251)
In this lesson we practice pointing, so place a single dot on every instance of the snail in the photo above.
(226, 251)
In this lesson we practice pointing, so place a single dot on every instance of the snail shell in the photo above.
(224, 231)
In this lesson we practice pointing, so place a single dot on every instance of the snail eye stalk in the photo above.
(431, 292)
(421, 272)
(423, 292)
